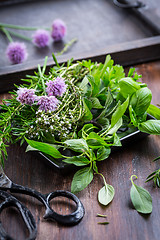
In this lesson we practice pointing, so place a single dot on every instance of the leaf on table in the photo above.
(106, 194)
(140, 198)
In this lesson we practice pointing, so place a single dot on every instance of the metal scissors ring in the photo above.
(25, 213)
(70, 219)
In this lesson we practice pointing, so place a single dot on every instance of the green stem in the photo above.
(69, 44)
(21, 27)
(132, 179)
(42, 80)
(7, 34)
(20, 36)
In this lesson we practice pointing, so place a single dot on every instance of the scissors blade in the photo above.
(5, 182)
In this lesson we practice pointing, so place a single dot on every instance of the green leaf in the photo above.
(87, 113)
(150, 127)
(103, 153)
(140, 198)
(77, 145)
(141, 100)
(81, 179)
(94, 140)
(154, 111)
(128, 86)
(77, 160)
(84, 83)
(95, 86)
(96, 103)
(119, 112)
(45, 148)
(106, 194)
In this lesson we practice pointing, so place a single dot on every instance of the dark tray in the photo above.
(64, 168)
(100, 27)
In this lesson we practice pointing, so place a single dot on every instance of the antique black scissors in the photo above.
(8, 200)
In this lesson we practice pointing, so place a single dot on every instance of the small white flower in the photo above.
(31, 126)
(27, 131)
(46, 130)
(51, 127)
(37, 134)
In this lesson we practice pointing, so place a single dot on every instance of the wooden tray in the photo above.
(100, 27)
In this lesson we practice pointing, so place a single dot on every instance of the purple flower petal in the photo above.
(41, 38)
(47, 103)
(58, 30)
(56, 87)
(26, 96)
(16, 52)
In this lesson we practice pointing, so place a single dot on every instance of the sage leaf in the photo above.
(45, 148)
(81, 179)
(106, 194)
(140, 198)
(150, 127)
(77, 160)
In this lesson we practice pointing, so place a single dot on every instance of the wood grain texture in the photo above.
(125, 222)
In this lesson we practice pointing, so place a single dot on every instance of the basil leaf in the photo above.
(128, 86)
(81, 179)
(140, 198)
(154, 111)
(45, 148)
(150, 127)
(77, 145)
(77, 160)
(94, 140)
(103, 153)
(106, 194)
(141, 100)
(119, 112)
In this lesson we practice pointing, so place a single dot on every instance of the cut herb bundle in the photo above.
(85, 107)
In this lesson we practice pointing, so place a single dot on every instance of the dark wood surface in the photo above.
(100, 27)
(125, 222)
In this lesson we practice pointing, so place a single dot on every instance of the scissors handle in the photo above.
(28, 218)
(50, 214)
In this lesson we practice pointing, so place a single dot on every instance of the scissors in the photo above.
(8, 200)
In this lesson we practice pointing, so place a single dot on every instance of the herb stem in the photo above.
(7, 34)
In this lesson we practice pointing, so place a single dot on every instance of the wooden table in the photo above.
(125, 222)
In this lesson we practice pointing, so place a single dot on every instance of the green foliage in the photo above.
(141, 198)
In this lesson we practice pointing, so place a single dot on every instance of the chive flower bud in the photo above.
(58, 30)
(47, 103)
(16, 52)
(41, 38)
(56, 87)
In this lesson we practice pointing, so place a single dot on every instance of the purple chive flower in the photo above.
(41, 38)
(56, 87)
(47, 103)
(58, 30)
(26, 96)
(16, 52)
